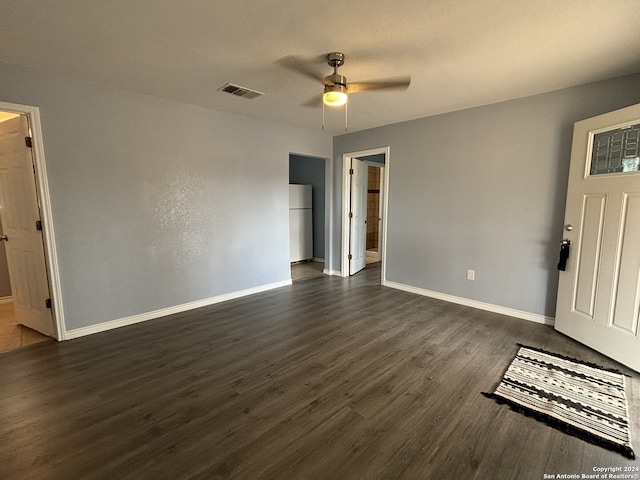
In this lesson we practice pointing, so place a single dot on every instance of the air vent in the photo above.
(239, 91)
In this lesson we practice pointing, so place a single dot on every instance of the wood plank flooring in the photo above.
(328, 378)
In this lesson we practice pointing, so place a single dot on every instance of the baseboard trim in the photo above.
(6, 300)
(511, 312)
(163, 312)
(319, 260)
(336, 273)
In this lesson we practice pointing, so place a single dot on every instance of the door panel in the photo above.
(593, 209)
(20, 212)
(626, 282)
(358, 237)
(599, 292)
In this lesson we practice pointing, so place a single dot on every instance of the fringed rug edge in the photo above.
(563, 426)
(575, 360)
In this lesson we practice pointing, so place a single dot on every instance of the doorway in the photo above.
(599, 287)
(30, 307)
(309, 171)
(374, 212)
(376, 161)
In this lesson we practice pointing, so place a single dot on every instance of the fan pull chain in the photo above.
(345, 116)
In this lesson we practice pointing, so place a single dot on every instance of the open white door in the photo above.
(358, 224)
(20, 216)
(599, 292)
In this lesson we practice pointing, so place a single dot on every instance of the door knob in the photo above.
(4, 237)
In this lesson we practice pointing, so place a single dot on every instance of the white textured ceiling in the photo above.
(459, 53)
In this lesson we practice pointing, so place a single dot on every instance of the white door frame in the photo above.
(346, 201)
(42, 188)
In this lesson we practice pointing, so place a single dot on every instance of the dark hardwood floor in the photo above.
(329, 378)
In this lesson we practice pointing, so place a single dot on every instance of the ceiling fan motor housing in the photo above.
(335, 79)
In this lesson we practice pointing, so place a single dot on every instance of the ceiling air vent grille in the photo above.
(239, 91)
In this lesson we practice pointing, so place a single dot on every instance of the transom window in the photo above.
(616, 151)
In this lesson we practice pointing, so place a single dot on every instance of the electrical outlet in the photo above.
(471, 274)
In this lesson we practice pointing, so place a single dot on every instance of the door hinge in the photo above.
(47, 303)
(350, 257)
(351, 171)
(38, 224)
(350, 214)
(28, 142)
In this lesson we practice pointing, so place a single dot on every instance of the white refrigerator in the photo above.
(300, 223)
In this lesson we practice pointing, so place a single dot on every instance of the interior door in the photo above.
(20, 214)
(599, 292)
(358, 237)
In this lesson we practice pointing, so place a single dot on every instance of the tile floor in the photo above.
(304, 270)
(12, 334)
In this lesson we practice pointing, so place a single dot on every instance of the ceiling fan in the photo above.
(336, 87)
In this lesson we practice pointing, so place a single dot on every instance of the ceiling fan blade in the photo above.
(301, 66)
(398, 83)
(313, 102)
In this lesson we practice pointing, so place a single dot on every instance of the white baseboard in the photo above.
(163, 312)
(319, 260)
(336, 273)
(6, 300)
(512, 312)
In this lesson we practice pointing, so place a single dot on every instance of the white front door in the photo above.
(599, 292)
(358, 237)
(20, 214)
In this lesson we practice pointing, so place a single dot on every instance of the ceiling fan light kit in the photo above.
(335, 85)
(334, 95)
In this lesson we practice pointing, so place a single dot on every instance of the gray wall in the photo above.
(311, 171)
(483, 189)
(5, 282)
(157, 203)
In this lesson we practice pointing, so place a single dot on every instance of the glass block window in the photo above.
(616, 151)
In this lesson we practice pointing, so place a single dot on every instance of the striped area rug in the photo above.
(580, 399)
